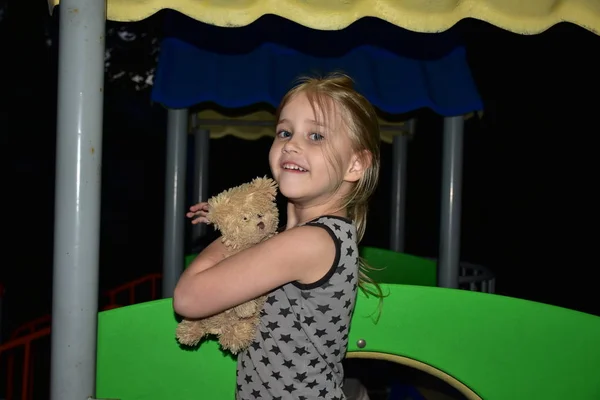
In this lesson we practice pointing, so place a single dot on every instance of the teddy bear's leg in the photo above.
(214, 324)
(238, 335)
(190, 332)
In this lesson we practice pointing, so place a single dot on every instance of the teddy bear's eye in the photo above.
(245, 218)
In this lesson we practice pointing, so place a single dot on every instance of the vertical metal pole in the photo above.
(1, 315)
(77, 199)
(398, 219)
(173, 257)
(449, 258)
(201, 157)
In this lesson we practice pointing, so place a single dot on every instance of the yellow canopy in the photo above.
(254, 125)
(520, 16)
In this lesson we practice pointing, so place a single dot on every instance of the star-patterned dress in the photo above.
(303, 333)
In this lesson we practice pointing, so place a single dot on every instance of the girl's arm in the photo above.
(208, 258)
(302, 254)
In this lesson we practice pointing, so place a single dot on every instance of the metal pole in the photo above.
(173, 257)
(1, 315)
(77, 199)
(201, 157)
(398, 219)
(449, 258)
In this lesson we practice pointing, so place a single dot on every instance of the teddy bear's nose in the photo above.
(261, 225)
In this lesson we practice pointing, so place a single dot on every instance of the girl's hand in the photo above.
(198, 213)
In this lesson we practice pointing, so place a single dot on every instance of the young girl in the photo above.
(325, 158)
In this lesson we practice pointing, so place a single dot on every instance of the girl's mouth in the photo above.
(293, 167)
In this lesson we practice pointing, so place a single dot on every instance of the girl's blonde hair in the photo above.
(335, 93)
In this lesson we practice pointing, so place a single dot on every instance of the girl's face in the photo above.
(304, 151)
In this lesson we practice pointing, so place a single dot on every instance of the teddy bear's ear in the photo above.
(265, 185)
(219, 200)
(218, 207)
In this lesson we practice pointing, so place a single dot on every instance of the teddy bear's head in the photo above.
(246, 214)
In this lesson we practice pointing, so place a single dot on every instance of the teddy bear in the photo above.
(245, 215)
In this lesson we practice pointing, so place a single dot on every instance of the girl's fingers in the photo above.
(198, 210)
(199, 207)
(196, 214)
(200, 220)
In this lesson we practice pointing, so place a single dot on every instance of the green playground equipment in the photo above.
(392, 266)
(486, 346)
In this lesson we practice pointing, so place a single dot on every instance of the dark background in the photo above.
(530, 173)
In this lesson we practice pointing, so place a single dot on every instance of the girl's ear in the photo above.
(358, 165)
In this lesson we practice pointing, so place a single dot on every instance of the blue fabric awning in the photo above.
(397, 70)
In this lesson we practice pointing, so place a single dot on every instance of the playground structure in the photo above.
(474, 342)
(557, 349)
(485, 346)
(18, 355)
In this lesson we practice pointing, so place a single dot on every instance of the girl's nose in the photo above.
(291, 146)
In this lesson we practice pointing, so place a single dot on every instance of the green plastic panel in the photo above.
(391, 267)
(138, 358)
(399, 268)
(502, 348)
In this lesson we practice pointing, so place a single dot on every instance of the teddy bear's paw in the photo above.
(189, 333)
(188, 341)
(238, 336)
(246, 310)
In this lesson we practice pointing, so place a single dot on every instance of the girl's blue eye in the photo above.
(316, 137)
(283, 134)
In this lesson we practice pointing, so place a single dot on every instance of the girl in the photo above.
(325, 158)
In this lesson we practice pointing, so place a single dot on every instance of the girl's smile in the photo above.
(292, 167)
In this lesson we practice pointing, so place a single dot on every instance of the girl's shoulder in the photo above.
(336, 226)
(340, 228)
(330, 218)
